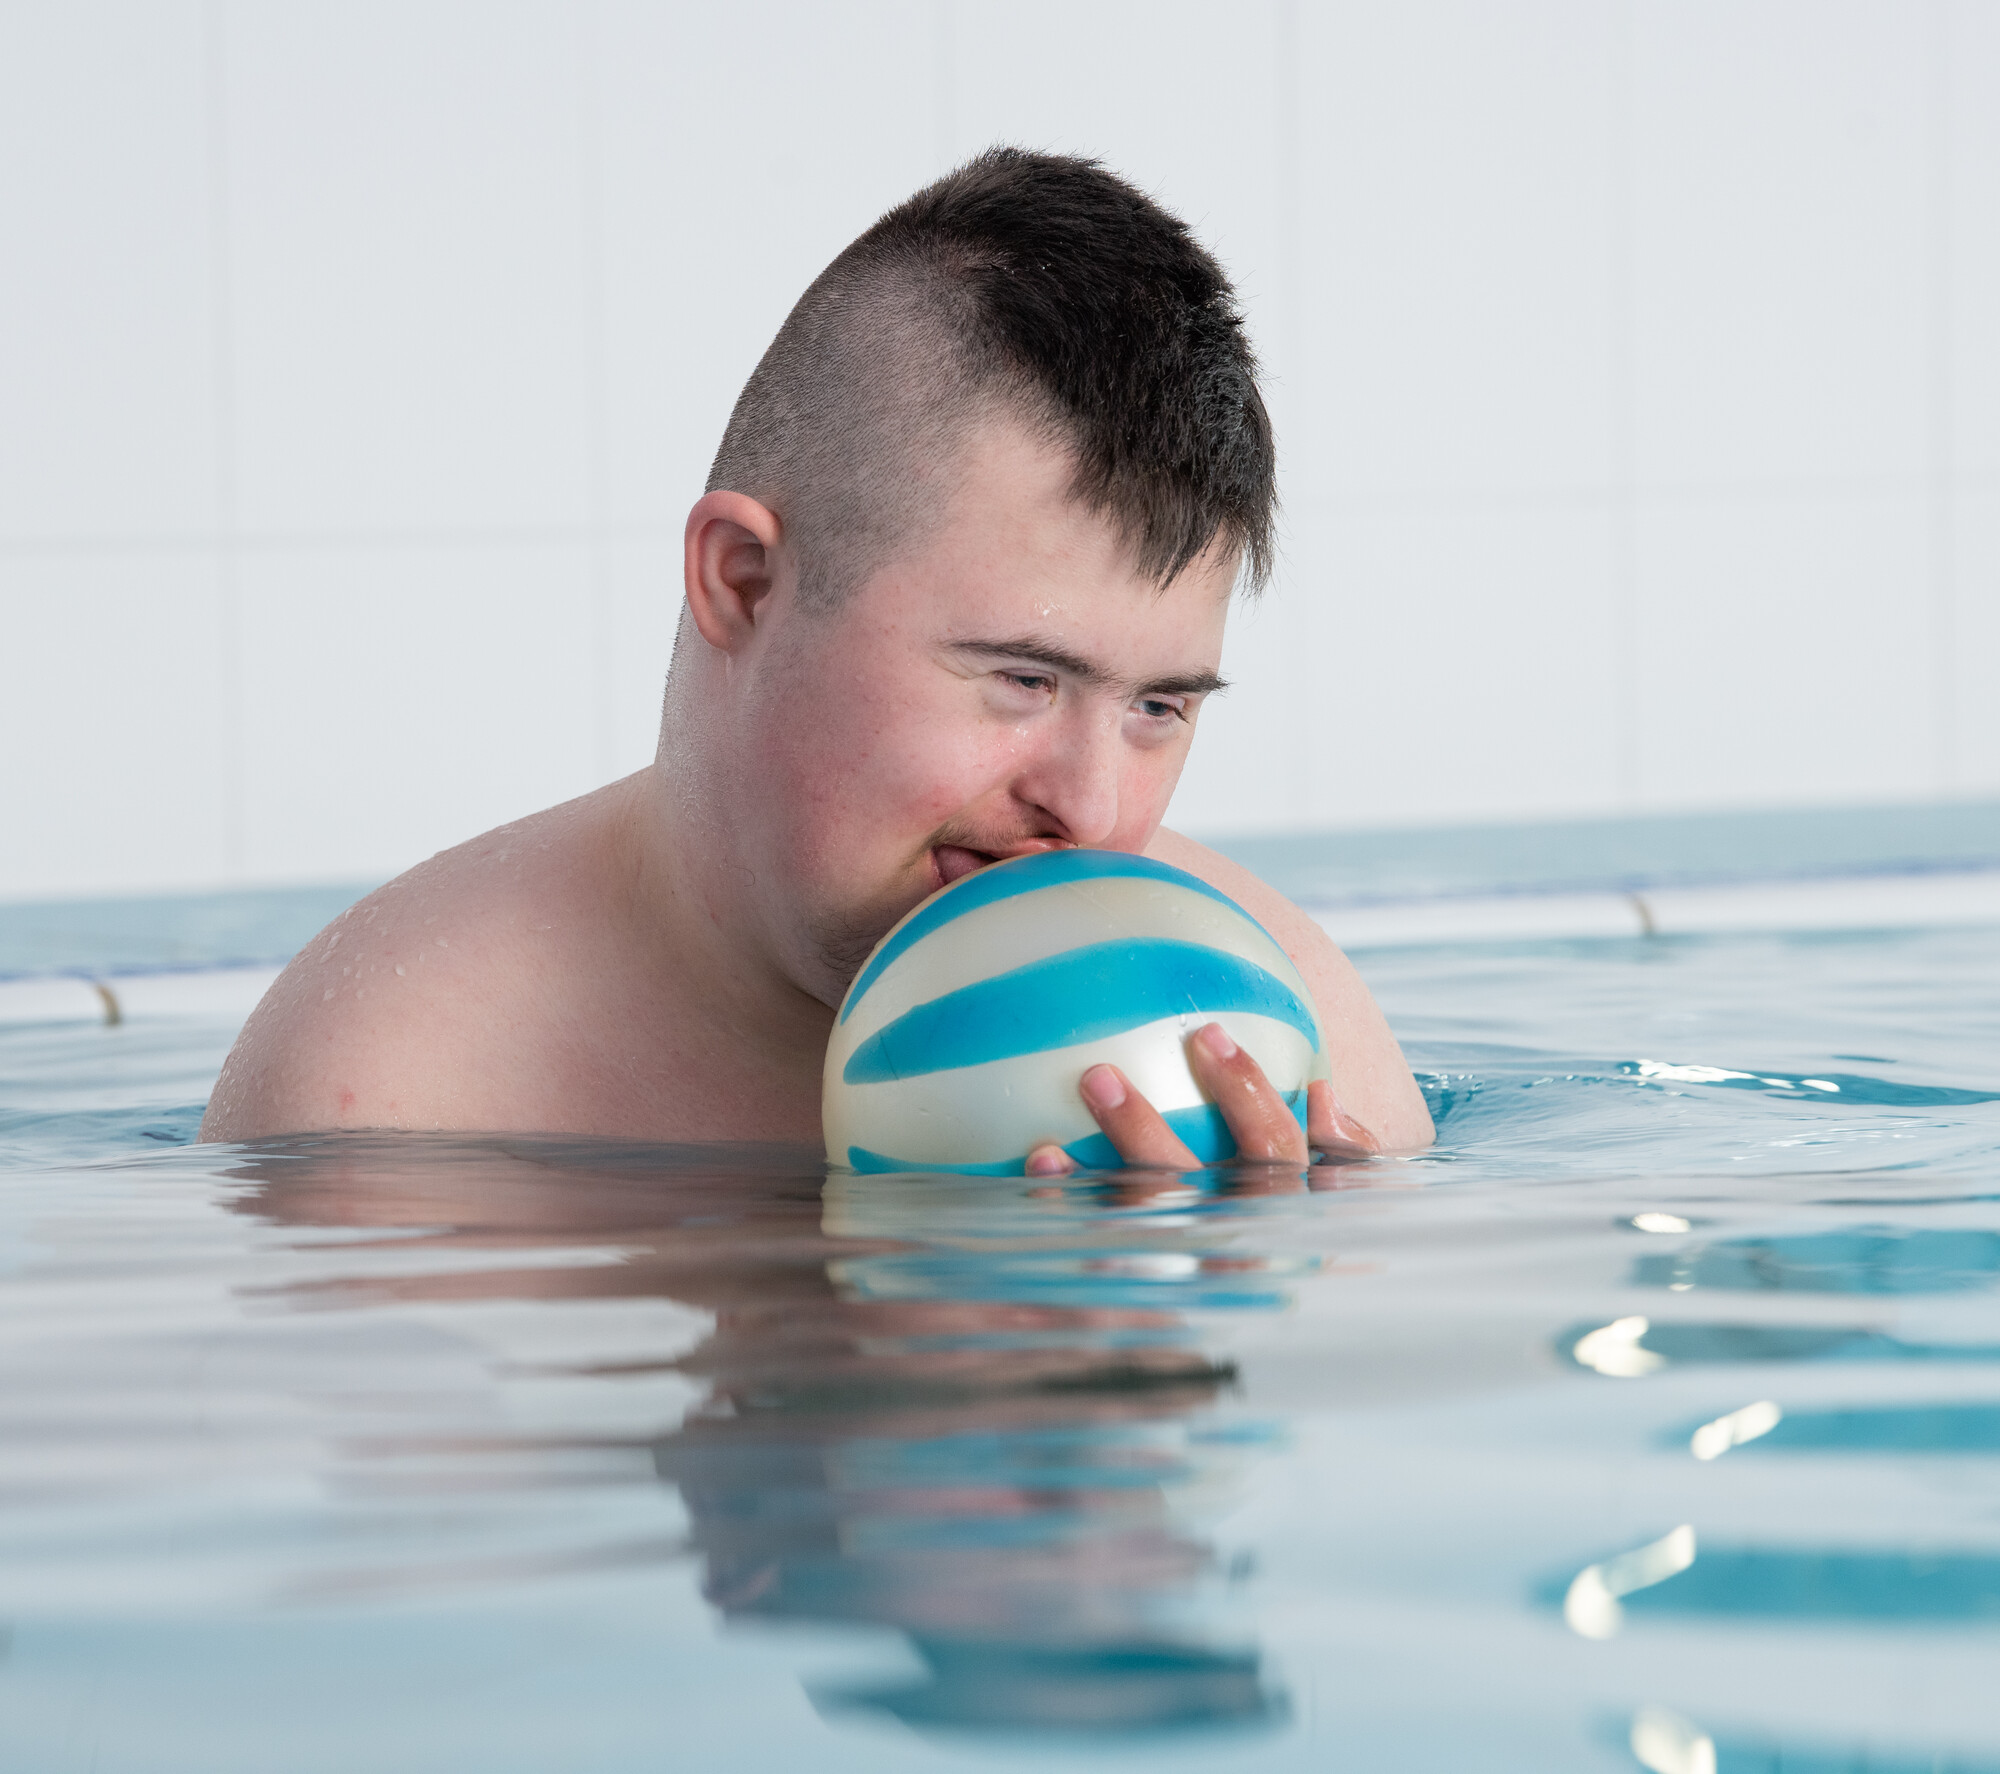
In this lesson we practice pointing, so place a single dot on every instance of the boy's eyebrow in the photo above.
(1057, 657)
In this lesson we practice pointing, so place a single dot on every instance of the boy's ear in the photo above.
(731, 553)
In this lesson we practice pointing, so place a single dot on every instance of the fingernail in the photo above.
(1215, 1039)
(1103, 1088)
(1046, 1161)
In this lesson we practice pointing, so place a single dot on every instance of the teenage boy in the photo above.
(956, 592)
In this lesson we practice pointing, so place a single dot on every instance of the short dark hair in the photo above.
(1034, 286)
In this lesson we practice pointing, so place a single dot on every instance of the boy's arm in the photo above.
(1370, 1076)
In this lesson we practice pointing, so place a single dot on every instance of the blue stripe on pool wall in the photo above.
(1006, 880)
(1083, 994)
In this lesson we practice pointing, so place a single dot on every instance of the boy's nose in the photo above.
(1074, 782)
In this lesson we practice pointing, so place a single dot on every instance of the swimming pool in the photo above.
(1653, 1419)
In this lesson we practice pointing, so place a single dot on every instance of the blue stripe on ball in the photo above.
(1052, 869)
(1199, 1127)
(1084, 994)
(869, 1163)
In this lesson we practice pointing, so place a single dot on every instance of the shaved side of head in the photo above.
(1033, 287)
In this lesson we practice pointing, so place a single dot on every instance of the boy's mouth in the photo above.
(953, 862)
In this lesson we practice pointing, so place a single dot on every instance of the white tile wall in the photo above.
(1780, 297)
(725, 188)
(1784, 649)
(1466, 654)
(1968, 78)
(641, 588)
(407, 699)
(1966, 373)
(1637, 372)
(409, 291)
(1455, 254)
(1974, 656)
(114, 721)
(107, 332)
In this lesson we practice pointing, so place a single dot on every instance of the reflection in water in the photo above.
(1845, 1087)
(1760, 1755)
(1854, 1260)
(1668, 1744)
(1593, 1605)
(1946, 1587)
(969, 1419)
(1734, 1428)
(1618, 1349)
(1665, 1742)
(1946, 1427)
(1636, 1346)
(1889, 1429)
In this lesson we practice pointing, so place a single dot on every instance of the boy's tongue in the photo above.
(955, 863)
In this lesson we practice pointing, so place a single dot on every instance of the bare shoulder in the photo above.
(1370, 1075)
(404, 1011)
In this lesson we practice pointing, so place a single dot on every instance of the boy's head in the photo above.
(962, 571)
(1034, 287)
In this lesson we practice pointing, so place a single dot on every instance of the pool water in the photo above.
(1651, 1420)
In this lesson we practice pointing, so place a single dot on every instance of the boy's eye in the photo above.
(1158, 708)
(1030, 680)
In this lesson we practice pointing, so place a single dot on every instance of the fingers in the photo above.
(1331, 1129)
(1049, 1160)
(1266, 1130)
(1143, 1139)
(1259, 1117)
(1132, 1124)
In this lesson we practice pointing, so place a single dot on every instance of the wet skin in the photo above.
(662, 958)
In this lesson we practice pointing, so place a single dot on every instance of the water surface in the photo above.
(1653, 1419)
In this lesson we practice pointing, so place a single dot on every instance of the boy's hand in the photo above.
(1258, 1116)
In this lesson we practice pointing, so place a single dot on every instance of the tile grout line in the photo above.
(1304, 767)
(332, 541)
(223, 390)
(944, 84)
(1622, 500)
(1942, 504)
(553, 535)
(590, 159)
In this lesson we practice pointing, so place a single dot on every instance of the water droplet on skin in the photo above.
(399, 972)
(328, 993)
(333, 942)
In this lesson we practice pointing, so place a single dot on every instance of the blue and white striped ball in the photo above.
(962, 1040)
